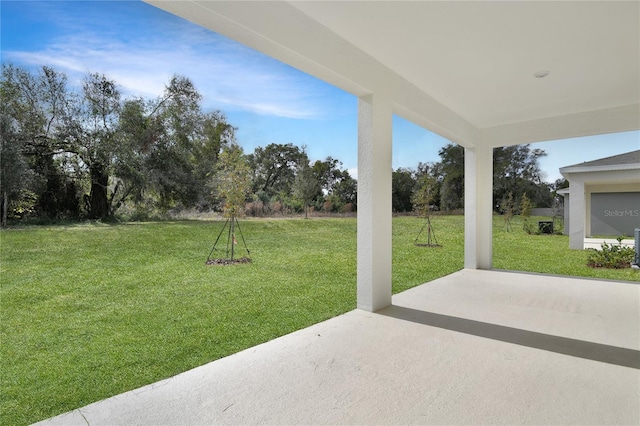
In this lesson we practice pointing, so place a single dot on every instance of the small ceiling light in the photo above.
(541, 74)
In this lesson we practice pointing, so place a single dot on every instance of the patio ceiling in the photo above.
(464, 70)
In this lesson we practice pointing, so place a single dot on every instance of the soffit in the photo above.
(479, 58)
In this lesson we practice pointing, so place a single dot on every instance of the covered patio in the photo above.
(474, 347)
(479, 346)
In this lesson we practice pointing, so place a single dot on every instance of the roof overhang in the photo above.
(622, 174)
(464, 70)
(596, 169)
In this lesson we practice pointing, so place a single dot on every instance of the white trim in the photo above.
(605, 168)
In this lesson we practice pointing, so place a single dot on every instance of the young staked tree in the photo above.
(234, 183)
(422, 200)
(525, 212)
(507, 208)
(423, 197)
(234, 180)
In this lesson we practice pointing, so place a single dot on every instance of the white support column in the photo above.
(374, 202)
(577, 213)
(478, 208)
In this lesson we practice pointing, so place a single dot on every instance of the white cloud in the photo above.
(229, 76)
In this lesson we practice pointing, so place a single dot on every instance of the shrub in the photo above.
(277, 207)
(348, 208)
(528, 227)
(611, 256)
(255, 208)
(25, 206)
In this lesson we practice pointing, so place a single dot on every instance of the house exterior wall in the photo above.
(579, 208)
(567, 216)
(614, 213)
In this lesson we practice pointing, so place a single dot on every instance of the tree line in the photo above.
(92, 153)
(516, 176)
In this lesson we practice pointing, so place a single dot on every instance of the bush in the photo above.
(348, 208)
(611, 256)
(255, 208)
(528, 227)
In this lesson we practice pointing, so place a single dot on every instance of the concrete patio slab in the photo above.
(475, 347)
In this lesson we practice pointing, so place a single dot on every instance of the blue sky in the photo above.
(140, 47)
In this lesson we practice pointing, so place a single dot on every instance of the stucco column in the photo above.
(577, 213)
(374, 202)
(478, 207)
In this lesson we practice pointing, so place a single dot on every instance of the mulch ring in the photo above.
(228, 261)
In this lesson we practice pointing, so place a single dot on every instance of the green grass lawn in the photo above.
(549, 254)
(90, 311)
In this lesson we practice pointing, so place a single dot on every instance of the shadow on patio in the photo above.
(475, 347)
(562, 345)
